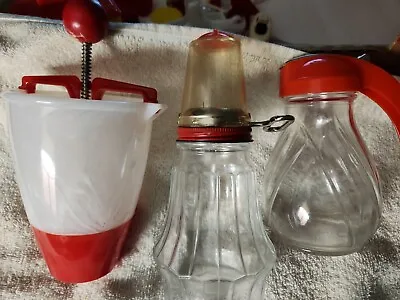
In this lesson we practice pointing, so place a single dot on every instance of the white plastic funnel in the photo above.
(79, 163)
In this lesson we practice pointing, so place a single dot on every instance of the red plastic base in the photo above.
(81, 258)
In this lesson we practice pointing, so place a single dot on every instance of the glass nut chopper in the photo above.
(322, 188)
(214, 245)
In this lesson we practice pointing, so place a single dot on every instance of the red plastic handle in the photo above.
(380, 87)
(70, 82)
(101, 85)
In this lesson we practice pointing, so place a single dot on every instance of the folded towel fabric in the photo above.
(156, 56)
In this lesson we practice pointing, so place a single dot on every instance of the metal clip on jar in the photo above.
(214, 245)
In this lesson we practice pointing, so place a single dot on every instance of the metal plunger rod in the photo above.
(86, 70)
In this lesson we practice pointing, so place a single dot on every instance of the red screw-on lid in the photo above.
(318, 74)
(215, 134)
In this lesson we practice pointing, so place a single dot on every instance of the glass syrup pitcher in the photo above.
(322, 188)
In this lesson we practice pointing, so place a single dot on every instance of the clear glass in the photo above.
(322, 187)
(214, 245)
(214, 92)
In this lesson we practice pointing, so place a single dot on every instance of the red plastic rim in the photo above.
(215, 134)
(318, 74)
(337, 73)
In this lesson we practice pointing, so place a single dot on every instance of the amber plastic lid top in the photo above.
(214, 93)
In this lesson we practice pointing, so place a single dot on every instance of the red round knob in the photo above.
(86, 20)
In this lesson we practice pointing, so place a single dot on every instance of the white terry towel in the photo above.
(156, 56)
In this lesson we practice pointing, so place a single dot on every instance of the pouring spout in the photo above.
(153, 111)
